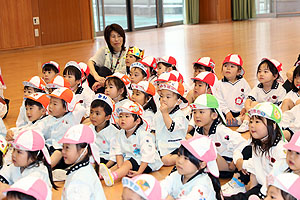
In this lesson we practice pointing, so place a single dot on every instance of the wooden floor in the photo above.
(277, 38)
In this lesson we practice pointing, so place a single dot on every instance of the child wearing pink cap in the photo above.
(82, 181)
(30, 157)
(134, 148)
(140, 187)
(50, 70)
(197, 172)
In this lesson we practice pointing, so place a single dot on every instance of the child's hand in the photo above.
(239, 166)
(9, 135)
(96, 86)
(229, 118)
(163, 108)
(132, 173)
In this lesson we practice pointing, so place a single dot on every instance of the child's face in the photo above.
(297, 80)
(70, 153)
(293, 160)
(161, 68)
(48, 75)
(274, 193)
(185, 166)
(168, 98)
(139, 97)
(20, 158)
(198, 70)
(28, 91)
(71, 79)
(56, 108)
(34, 112)
(126, 121)
(97, 116)
(128, 194)
(230, 71)
(264, 75)
(200, 88)
(204, 117)
(112, 91)
(130, 59)
(258, 128)
(136, 75)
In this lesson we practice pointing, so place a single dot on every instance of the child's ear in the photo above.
(107, 117)
(169, 69)
(77, 82)
(138, 121)
(203, 165)
(208, 90)
(121, 90)
(214, 115)
(44, 111)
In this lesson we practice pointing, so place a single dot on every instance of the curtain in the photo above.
(243, 9)
(192, 11)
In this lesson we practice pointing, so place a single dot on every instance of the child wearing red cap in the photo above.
(150, 63)
(166, 64)
(204, 64)
(50, 70)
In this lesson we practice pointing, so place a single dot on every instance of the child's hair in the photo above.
(89, 153)
(216, 183)
(1, 159)
(287, 196)
(50, 67)
(273, 137)
(118, 83)
(34, 89)
(150, 103)
(71, 70)
(271, 67)
(19, 195)
(98, 103)
(198, 66)
(30, 102)
(143, 72)
(169, 65)
(295, 74)
(37, 157)
(152, 72)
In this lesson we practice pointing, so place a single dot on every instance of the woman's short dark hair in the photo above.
(107, 31)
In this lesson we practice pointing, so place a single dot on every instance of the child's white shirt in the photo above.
(199, 187)
(139, 146)
(2, 128)
(148, 116)
(152, 79)
(22, 117)
(82, 183)
(294, 96)
(167, 141)
(275, 95)
(262, 165)
(85, 98)
(291, 118)
(237, 153)
(232, 96)
(104, 139)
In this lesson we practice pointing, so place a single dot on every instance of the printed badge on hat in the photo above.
(203, 148)
(288, 182)
(140, 66)
(294, 143)
(41, 98)
(58, 82)
(144, 185)
(277, 65)
(149, 61)
(207, 62)
(136, 52)
(53, 63)
(145, 87)
(82, 134)
(32, 186)
(267, 110)
(31, 140)
(209, 78)
(236, 60)
(35, 82)
(207, 101)
(67, 95)
(167, 59)
(106, 99)
(177, 88)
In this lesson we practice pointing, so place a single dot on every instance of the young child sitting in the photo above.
(85, 71)
(140, 187)
(138, 72)
(170, 122)
(35, 84)
(50, 70)
(134, 148)
(150, 63)
(134, 54)
(166, 64)
(57, 82)
(268, 90)
(82, 181)
(102, 108)
(232, 103)
(197, 172)
(4, 103)
(204, 64)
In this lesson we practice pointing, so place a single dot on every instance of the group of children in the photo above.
(149, 118)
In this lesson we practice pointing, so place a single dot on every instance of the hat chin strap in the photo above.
(82, 153)
(264, 138)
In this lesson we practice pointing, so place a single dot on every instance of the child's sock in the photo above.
(238, 182)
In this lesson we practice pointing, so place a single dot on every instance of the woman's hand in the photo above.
(96, 86)
(9, 135)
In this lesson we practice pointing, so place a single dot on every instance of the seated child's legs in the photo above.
(224, 165)
(287, 104)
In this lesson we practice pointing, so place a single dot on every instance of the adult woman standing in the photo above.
(108, 59)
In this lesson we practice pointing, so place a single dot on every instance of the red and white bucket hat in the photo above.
(35, 82)
(170, 76)
(294, 143)
(84, 68)
(278, 66)
(207, 62)
(149, 61)
(236, 60)
(73, 64)
(32, 186)
(31, 140)
(67, 95)
(167, 59)
(106, 99)
(141, 66)
(204, 149)
(55, 64)
(81, 133)
(178, 76)
(145, 87)
(58, 82)
(144, 185)
(209, 78)
(177, 88)
(41, 98)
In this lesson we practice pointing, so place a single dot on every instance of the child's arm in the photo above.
(110, 163)
(248, 104)
(167, 119)
(190, 96)
(120, 160)
(169, 198)
(3, 187)
(55, 158)
(253, 181)
(289, 74)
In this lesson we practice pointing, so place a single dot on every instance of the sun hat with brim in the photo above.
(144, 185)
(32, 186)
(81, 133)
(177, 88)
(204, 149)
(74, 64)
(277, 65)
(167, 59)
(288, 182)
(140, 66)
(236, 60)
(139, 53)
(294, 143)
(67, 95)
(208, 101)
(39, 97)
(207, 62)
(267, 110)
(58, 82)
(3, 145)
(106, 99)
(209, 78)
(149, 61)
(145, 87)
(53, 63)
(31, 140)
(35, 82)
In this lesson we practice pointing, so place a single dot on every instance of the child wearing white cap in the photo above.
(170, 122)
(197, 172)
(268, 90)
(134, 148)
(82, 181)
(166, 64)
(138, 72)
(50, 70)
(30, 157)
